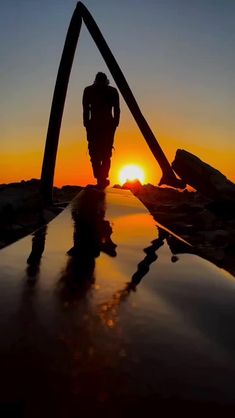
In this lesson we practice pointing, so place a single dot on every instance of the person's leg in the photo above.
(106, 162)
(95, 162)
(94, 153)
(106, 155)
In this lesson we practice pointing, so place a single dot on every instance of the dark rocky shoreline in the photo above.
(22, 210)
(207, 224)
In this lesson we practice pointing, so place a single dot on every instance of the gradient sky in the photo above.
(178, 57)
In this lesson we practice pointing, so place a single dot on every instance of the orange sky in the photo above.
(179, 67)
(73, 165)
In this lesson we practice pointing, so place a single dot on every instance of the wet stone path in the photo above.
(99, 315)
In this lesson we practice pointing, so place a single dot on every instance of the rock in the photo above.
(224, 208)
(133, 185)
(208, 225)
(219, 238)
(174, 259)
(48, 215)
(15, 228)
(202, 177)
(215, 254)
(22, 210)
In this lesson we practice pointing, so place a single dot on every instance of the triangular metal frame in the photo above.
(57, 107)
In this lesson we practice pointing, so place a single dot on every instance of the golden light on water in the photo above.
(131, 172)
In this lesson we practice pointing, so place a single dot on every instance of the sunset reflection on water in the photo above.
(117, 320)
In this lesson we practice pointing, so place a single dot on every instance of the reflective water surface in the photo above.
(100, 315)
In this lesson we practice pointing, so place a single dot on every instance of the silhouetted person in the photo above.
(101, 113)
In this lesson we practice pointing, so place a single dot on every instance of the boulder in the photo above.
(202, 177)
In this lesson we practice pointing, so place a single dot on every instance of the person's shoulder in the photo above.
(88, 88)
(88, 92)
(113, 90)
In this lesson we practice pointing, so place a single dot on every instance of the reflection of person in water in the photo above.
(101, 114)
(92, 234)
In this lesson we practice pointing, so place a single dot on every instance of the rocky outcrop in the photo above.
(202, 177)
(204, 223)
(22, 210)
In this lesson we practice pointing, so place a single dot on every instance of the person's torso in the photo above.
(101, 101)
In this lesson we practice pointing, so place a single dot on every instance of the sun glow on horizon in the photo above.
(131, 172)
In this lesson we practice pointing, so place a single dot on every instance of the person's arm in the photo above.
(116, 108)
(86, 108)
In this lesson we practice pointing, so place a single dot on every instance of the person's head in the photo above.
(101, 79)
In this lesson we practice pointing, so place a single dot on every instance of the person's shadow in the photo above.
(92, 235)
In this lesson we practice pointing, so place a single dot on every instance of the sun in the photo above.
(130, 173)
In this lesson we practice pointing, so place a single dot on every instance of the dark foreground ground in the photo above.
(99, 320)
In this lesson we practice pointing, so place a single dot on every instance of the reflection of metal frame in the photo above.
(59, 96)
(38, 246)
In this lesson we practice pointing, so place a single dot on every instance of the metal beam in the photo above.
(48, 168)
(57, 107)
